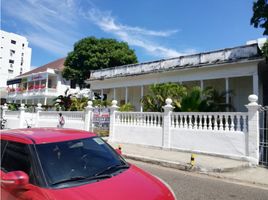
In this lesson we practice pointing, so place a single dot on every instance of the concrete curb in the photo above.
(216, 172)
(263, 185)
(183, 166)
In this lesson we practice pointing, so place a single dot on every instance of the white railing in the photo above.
(232, 134)
(228, 121)
(139, 118)
(225, 121)
(12, 114)
(68, 115)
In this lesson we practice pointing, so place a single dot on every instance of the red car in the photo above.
(66, 164)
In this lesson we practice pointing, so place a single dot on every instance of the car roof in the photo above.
(43, 135)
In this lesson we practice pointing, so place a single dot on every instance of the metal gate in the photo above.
(264, 136)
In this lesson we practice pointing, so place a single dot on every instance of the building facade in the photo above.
(40, 85)
(241, 69)
(15, 58)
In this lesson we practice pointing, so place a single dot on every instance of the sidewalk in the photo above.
(211, 165)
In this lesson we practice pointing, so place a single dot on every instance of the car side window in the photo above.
(3, 146)
(16, 157)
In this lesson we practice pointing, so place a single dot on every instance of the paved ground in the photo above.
(212, 165)
(191, 186)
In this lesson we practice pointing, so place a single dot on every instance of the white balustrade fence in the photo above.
(227, 121)
(232, 134)
(73, 119)
(139, 118)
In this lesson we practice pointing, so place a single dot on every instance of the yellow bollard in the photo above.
(192, 159)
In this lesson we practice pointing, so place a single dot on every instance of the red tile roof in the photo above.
(57, 65)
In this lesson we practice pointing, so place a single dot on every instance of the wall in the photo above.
(231, 134)
(230, 143)
(151, 136)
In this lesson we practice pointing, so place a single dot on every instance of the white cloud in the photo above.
(134, 36)
(53, 26)
(48, 23)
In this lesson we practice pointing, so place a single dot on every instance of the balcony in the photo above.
(37, 90)
(34, 85)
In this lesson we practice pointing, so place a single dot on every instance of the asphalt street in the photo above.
(193, 186)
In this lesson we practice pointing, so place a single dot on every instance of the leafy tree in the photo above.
(102, 103)
(13, 106)
(185, 99)
(91, 54)
(126, 107)
(158, 93)
(78, 104)
(63, 101)
(260, 19)
(265, 50)
(192, 101)
(260, 15)
(215, 101)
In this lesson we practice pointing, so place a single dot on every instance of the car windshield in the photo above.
(74, 161)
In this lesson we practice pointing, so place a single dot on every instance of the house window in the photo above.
(10, 71)
(13, 42)
(11, 61)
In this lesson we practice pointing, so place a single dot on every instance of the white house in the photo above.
(242, 69)
(40, 85)
(15, 57)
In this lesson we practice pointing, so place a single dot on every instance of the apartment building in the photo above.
(15, 58)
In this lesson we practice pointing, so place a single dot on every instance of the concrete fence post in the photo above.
(4, 109)
(252, 137)
(38, 110)
(88, 126)
(22, 115)
(167, 123)
(113, 110)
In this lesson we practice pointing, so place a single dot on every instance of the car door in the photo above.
(16, 157)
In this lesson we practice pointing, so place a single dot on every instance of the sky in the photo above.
(155, 29)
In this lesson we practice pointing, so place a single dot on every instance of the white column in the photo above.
(45, 101)
(5, 108)
(201, 85)
(101, 94)
(38, 110)
(141, 108)
(88, 116)
(114, 94)
(47, 84)
(21, 115)
(256, 84)
(252, 137)
(39, 85)
(126, 95)
(166, 143)
(227, 90)
(113, 110)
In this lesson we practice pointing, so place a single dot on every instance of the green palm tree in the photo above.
(158, 93)
(192, 101)
(78, 104)
(216, 101)
(63, 101)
